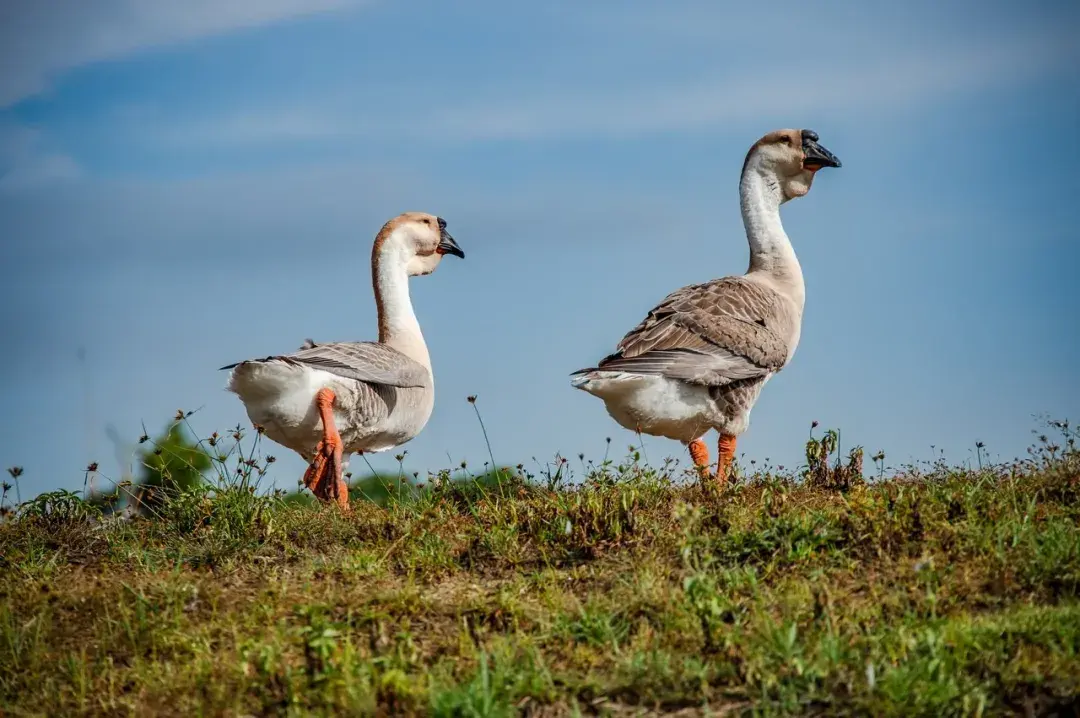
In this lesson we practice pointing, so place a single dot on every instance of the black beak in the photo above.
(447, 245)
(816, 156)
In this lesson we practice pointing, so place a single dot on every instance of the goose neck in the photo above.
(771, 253)
(398, 325)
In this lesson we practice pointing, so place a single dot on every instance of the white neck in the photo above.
(398, 326)
(771, 253)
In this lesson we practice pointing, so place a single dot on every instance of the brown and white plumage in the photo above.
(713, 334)
(700, 358)
(383, 398)
(326, 401)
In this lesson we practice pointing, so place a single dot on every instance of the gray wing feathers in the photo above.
(714, 368)
(713, 333)
(368, 362)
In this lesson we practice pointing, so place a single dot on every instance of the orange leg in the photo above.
(324, 477)
(727, 453)
(700, 454)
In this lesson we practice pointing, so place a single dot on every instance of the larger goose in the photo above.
(699, 359)
(326, 401)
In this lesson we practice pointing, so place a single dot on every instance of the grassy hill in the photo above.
(939, 591)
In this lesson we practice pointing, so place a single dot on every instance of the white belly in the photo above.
(654, 405)
(280, 397)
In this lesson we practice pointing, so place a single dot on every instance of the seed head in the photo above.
(471, 398)
(92, 466)
(15, 471)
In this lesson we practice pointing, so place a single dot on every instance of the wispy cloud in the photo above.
(904, 79)
(26, 161)
(39, 40)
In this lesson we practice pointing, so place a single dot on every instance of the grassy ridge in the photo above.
(943, 592)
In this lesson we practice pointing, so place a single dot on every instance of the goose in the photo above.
(330, 400)
(699, 359)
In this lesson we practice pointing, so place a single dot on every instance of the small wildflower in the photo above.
(143, 439)
(399, 457)
(979, 445)
(271, 459)
(92, 466)
(471, 398)
(581, 456)
(15, 471)
(463, 463)
(260, 429)
(7, 487)
(179, 414)
(814, 424)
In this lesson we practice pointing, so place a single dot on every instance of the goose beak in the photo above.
(816, 156)
(447, 245)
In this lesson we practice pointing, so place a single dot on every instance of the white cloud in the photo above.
(890, 81)
(39, 40)
(251, 128)
(26, 161)
(901, 81)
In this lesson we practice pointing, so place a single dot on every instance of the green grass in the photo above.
(940, 591)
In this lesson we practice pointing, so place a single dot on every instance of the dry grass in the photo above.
(944, 591)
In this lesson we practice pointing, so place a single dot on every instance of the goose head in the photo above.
(790, 158)
(418, 240)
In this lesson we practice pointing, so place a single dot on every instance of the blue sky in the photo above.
(186, 185)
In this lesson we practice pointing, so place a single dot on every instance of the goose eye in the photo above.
(785, 140)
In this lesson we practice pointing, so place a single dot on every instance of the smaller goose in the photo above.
(329, 400)
(700, 358)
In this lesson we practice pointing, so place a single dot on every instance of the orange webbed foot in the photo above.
(699, 453)
(324, 476)
(727, 455)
